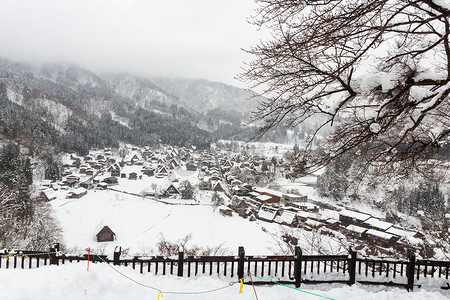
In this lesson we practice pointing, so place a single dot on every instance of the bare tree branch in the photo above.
(376, 73)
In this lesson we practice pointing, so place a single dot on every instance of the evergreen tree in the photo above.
(334, 181)
(27, 171)
(3, 92)
(188, 190)
(52, 171)
(216, 200)
(400, 197)
(23, 199)
(428, 198)
(264, 166)
(16, 178)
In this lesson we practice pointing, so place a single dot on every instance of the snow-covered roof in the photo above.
(354, 214)
(267, 213)
(223, 207)
(49, 193)
(79, 190)
(268, 191)
(254, 194)
(286, 217)
(303, 214)
(305, 205)
(413, 241)
(264, 197)
(400, 231)
(102, 224)
(354, 228)
(377, 223)
(380, 234)
(313, 223)
(292, 195)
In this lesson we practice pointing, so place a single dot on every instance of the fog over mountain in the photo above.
(75, 109)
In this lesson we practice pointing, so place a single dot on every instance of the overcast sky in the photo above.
(172, 38)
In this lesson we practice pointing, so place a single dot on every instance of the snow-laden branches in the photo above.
(378, 72)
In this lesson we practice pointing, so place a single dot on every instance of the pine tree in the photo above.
(23, 200)
(52, 171)
(216, 200)
(3, 92)
(188, 190)
(27, 171)
(428, 198)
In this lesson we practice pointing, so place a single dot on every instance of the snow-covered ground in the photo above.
(138, 223)
(101, 282)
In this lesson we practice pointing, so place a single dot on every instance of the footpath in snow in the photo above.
(102, 282)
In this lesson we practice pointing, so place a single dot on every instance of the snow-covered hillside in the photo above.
(204, 95)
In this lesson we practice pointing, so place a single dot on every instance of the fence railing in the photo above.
(295, 269)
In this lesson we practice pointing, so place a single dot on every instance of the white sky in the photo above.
(173, 38)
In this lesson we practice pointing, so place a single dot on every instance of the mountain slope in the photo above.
(69, 108)
(72, 109)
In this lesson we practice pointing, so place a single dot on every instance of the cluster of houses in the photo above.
(378, 232)
(298, 211)
(102, 170)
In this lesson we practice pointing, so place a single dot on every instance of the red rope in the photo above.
(249, 274)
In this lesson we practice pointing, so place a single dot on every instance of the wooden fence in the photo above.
(295, 269)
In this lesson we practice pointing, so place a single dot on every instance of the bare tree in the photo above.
(375, 73)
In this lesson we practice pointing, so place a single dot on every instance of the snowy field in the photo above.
(101, 282)
(138, 223)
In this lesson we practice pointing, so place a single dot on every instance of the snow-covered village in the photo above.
(211, 149)
(163, 188)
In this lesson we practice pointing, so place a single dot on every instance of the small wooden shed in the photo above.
(105, 235)
(225, 211)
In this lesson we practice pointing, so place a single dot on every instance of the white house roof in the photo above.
(264, 197)
(306, 205)
(254, 194)
(313, 223)
(357, 229)
(79, 190)
(268, 191)
(292, 195)
(303, 214)
(223, 207)
(267, 213)
(286, 217)
(100, 226)
(354, 214)
(218, 183)
(377, 223)
(380, 234)
(49, 193)
(400, 231)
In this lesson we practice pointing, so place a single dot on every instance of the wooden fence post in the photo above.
(117, 252)
(241, 262)
(410, 270)
(298, 266)
(180, 262)
(53, 259)
(352, 267)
